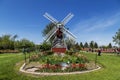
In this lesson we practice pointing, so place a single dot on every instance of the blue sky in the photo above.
(96, 20)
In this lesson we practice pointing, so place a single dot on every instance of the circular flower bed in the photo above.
(60, 63)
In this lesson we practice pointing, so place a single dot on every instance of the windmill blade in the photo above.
(50, 36)
(70, 37)
(67, 18)
(68, 32)
(50, 32)
(49, 17)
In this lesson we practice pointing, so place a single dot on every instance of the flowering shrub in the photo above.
(58, 68)
(34, 58)
(52, 63)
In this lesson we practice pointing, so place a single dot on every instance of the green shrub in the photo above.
(49, 52)
(34, 58)
(69, 52)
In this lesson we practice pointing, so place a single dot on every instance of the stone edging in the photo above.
(50, 74)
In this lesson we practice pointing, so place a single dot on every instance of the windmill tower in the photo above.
(58, 44)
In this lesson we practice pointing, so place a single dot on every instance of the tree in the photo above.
(6, 42)
(86, 45)
(110, 45)
(13, 39)
(95, 45)
(81, 45)
(77, 47)
(26, 43)
(17, 44)
(48, 28)
(0, 42)
(45, 46)
(92, 44)
(70, 43)
(104, 46)
(116, 38)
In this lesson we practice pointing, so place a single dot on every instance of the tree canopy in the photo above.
(9, 42)
(86, 45)
(81, 45)
(92, 44)
(116, 38)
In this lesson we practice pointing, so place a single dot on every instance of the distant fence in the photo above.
(110, 50)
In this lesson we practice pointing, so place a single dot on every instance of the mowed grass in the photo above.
(110, 69)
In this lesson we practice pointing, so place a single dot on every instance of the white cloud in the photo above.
(97, 23)
(102, 24)
(97, 29)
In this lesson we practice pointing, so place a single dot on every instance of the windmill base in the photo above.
(59, 50)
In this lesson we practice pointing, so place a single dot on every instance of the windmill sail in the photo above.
(48, 38)
(69, 33)
(49, 17)
(50, 32)
(67, 18)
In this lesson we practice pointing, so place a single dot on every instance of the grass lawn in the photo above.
(110, 69)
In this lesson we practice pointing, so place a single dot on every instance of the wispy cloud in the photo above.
(97, 23)
(97, 29)
(101, 25)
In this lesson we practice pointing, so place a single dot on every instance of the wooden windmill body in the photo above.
(59, 30)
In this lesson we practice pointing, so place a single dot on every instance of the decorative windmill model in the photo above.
(59, 31)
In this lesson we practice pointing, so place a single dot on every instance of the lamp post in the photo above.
(24, 52)
(28, 51)
(95, 59)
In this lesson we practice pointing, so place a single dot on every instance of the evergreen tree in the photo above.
(110, 45)
(86, 45)
(81, 45)
(95, 45)
(77, 47)
(92, 44)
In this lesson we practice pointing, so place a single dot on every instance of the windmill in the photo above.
(59, 30)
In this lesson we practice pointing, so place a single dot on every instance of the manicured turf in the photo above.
(110, 69)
